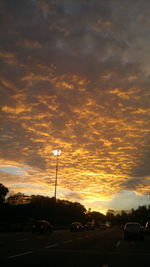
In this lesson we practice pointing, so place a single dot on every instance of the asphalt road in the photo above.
(96, 248)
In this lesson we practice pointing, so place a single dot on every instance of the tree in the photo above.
(3, 192)
(110, 215)
(18, 198)
(97, 217)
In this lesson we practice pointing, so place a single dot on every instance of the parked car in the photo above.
(42, 226)
(133, 230)
(76, 227)
(147, 227)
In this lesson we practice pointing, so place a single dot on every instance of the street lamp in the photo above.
(56, 153)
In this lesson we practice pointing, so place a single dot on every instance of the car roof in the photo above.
(132, 223)
(76, 222)
(41, 221)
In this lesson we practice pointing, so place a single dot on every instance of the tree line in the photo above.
(22, 210)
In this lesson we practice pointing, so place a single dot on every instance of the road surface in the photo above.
(96, 248)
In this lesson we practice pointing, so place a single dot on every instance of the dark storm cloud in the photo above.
(140, 173)
(24, 17)
(133, 184)
(76, 47)
(60, 48)
(143, 168)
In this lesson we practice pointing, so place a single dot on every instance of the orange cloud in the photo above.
(16, 110)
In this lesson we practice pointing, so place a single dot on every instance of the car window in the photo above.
(133, 225)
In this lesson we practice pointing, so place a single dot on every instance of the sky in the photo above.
(75, 76)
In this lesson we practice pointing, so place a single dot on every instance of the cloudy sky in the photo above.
(75, 76)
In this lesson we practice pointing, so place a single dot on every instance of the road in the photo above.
(96, 248)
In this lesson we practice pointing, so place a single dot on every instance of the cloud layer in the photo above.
(75, 76)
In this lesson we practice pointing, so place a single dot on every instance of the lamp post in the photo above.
(56, 153)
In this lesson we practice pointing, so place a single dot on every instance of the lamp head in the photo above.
(57, 152)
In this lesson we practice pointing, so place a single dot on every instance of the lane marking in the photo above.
(118, 244)
(20, 254)
(67, 241)
(52, 246)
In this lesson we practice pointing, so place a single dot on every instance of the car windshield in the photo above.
(133, 225)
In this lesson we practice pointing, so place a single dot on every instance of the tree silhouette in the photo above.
(18, 198)
(97, 217)
(3, 192)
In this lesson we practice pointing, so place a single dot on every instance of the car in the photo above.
(147, 227)
(76, 227)
(42, 226)
(89, 226)
(133, 230)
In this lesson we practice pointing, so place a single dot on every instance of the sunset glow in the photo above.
(75, 75)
